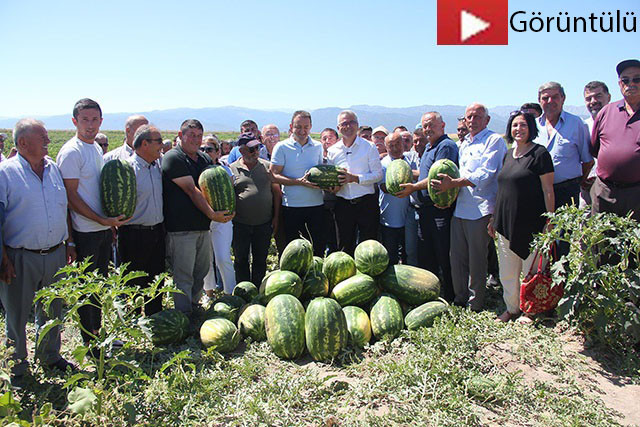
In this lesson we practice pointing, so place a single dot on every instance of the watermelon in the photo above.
(226, 307)
(358, 325)
(412, 285)
(338, 266)
(447, 198)
(251, 322)
(281, 282)
(315, 284)
(371, 257)
(118, 191)
(246, 290)
(325, 176)
(284, 325)
(356, 290)
(219, 334)
(168, 327)
(424, 315)
(217, 188)
(386, 317)
(325, 328)
(398, 172)
(297, 257)
(317, 263)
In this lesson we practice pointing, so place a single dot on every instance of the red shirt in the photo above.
(615, 141)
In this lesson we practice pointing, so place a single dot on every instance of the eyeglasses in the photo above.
(208, 149)
(348, 123)
(103, 144)
(518, 112)
(628, 80)
(272, 135)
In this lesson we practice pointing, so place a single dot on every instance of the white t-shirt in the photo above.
(83, 161)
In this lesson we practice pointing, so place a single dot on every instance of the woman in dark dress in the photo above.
(525, 192)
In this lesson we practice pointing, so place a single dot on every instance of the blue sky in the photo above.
(139, 56)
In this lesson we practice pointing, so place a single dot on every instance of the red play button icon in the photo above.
(472, 22)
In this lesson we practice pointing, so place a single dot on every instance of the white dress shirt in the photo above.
(361, 159)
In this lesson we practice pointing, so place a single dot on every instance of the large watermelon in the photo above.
(398, 172)
(297, 257)
(167, 327)
(338, 266)
(412, 285)
(386, 317)
(118, 191)
(246, 290)
(446, 166)
(325, 329)
(315, 284)
(220, 334)
(371, 257)
(251, 322)
(281, 282)
(358, 324)
(284, 325)
(424, 315)
(217, 188)
(325, 176)
(356, 290)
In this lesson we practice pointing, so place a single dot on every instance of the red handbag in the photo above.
(537, 291)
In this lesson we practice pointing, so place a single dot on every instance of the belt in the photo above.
(42, 251)
(615, 184)
(576, 180)
(143, 227)
(356, 200)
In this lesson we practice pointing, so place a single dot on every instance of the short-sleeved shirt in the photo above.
(616, 144)
(254, 199)
(35, 209)
(149, 192)
(123, 152)
(393, 210)
(180, 213)
(83, 161)
(443, 148)
(520, 200)
(568, 145)
(296, 160)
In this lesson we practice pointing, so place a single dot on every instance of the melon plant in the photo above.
(412, 285)
(358, 324)
(398, 172)
(371, 257)
(217, 188)
(386, 317)
(356, 290)
(326, 331)
(446, 198)
(168, 327)
(338, 266)
(219, 334)
(325, 176)
(251, 322)
(297, 257)
(284, 326)
(281, 282)
(118, 191)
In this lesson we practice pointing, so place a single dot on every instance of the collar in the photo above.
(439, 140)
(479, 135)
(300, 145)
(85, 142)
(143, 162)
(542, 120)
(25, 163)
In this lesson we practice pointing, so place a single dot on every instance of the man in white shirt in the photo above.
(357, 212)
(481, 156)
(126, 149)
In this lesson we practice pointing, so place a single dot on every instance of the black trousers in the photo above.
(144, 250)
(393, 241)
(254, 238)
(566, 193)
(435, 225)
(357, 221)
(306, 222)
(330, 229)
(97, 245)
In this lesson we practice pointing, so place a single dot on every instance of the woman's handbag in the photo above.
(537, 291)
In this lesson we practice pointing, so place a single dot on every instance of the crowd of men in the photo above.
(52, 215)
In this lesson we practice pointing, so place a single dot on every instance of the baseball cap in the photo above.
(380, 129)
(248, 139)
(626, 64)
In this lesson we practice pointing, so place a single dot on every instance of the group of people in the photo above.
(52, 215)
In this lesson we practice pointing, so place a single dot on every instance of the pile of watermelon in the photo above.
(322, 306)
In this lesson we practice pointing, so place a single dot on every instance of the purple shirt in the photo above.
(615, 141)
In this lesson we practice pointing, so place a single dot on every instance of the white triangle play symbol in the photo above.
(470, 25)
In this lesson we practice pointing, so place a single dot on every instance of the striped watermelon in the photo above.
(338, 266)
(325, 176)
(118, 191)
(398, 172)
(356, 290)
(315, 284)
(217, 188)
(358, 324)
(386, 317)
(412, 285)
(326, 329)
(219, 334)
(167, 327)
(424, 315)
(371, 257)
(297, 257)
(281, 282)
(251, 322)
(447, 198)
(284, 325)
(246, 290)
(226, 307)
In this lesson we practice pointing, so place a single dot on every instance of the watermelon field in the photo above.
(423, 362)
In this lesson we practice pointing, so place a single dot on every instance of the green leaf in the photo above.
(81, 400)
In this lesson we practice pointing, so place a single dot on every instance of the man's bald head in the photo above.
(131, 125)
(394, 144)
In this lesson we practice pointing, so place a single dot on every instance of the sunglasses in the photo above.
(208, 149)
(628, 80)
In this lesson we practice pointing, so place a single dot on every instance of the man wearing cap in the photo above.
(302, 201)
(357, 213)
(377, 137)
(257, 211)
(615, 138)
(125, 151)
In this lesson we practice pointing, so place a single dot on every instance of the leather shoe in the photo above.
(62, 365)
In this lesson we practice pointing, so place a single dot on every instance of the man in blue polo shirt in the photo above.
(302, 201)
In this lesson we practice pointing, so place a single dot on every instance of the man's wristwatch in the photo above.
(71, 244)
